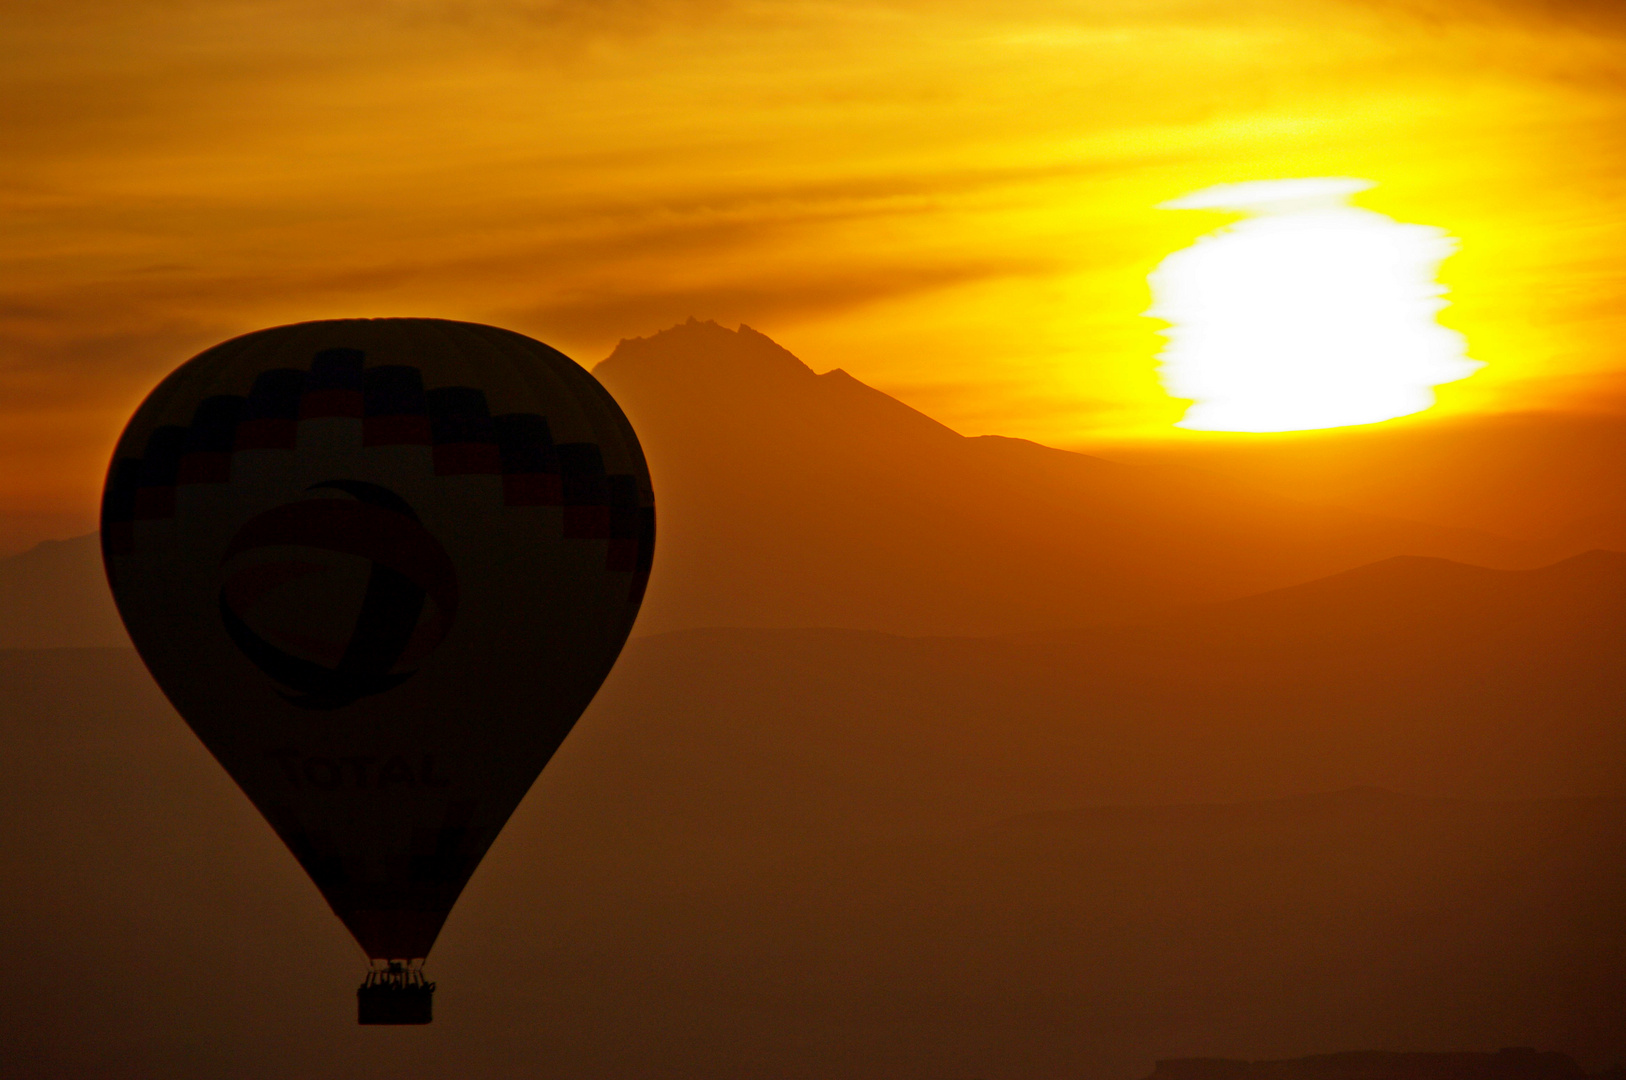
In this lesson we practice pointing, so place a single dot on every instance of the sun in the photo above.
(1308, 313)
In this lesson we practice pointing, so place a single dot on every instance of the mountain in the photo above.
(1249, 778)
(54, 595)
(788, 498)
(794, 499)
(638, 920)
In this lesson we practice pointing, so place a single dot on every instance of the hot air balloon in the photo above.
(380, 566)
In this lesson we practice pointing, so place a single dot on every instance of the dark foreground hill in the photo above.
(836, 853)
(1508, 1063)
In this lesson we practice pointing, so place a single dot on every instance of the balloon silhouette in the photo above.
(380, 566)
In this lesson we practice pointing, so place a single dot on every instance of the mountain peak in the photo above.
(703, 350)
(702, 375)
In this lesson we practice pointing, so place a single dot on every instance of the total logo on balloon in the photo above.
(368, 596)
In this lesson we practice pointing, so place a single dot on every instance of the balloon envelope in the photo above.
(380, 566)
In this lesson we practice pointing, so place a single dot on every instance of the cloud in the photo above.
(550, 13)
(935, 193)
(593, 315)
(594, 270)
(1607, 15)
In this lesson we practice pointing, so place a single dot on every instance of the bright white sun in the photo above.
(1309, 313)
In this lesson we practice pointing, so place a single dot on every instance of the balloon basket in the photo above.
(395, 994)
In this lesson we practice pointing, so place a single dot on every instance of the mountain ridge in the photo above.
(790, 498)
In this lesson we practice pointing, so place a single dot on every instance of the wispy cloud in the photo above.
(949, 197)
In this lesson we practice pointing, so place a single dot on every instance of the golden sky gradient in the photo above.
(953, 200)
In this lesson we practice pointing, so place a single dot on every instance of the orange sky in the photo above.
(953, 200)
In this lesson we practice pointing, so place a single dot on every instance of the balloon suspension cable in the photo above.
(395, 992)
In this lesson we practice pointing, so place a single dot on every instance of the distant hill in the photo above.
(779, 876)
(1414, 673)
(1431, 606)
(1558, 476)
(1491, 684)
(794, 499)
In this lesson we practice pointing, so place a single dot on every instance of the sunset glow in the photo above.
(1310, 313)
(955, 203)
